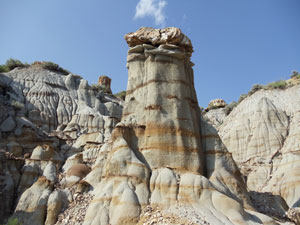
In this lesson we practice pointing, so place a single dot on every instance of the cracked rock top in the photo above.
(156, 37)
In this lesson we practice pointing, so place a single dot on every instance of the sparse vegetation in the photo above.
(13, 63)
(295, 74)
(98, 88)
(255, 88)
(121, 95)
(3, 69)
(228, 108)
(242, 97)
(54, 67)
(281, 84)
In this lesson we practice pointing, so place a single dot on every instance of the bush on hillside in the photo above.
(98, 88)
(295, 74)
(281, 84)
(228, 108)
(255, 88)
(3, 69)
(54, 67)
(121, 95)
(242, 97)
(13, 63)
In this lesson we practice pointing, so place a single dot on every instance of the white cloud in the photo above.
(152, 8)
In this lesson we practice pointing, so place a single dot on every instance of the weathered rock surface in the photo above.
(162, 153)
(46, 118)
(67, 156)
(262, 133)
(216, 103)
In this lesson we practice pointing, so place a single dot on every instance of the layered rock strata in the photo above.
(262, 133)
(162, 153)
(45, 119)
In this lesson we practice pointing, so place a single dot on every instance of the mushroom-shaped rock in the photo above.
(154, 37)
(216, 103)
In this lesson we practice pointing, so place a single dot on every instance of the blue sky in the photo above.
(237, 43)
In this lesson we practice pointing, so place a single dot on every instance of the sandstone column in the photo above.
(161, 104)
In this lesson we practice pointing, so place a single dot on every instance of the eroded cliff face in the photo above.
(262, 133)
(47, 120)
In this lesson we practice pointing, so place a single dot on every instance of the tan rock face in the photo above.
(78, 170)
(216, 103)
(105, 81)
(161, 104)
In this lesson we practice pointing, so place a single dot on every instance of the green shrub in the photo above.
(295, 74)
(281, 84)
(255, 88)
(242, 97)
(228, 108)
(13, 63)
(121, 95)
(3, 69)
(98, 87)
(54, 67)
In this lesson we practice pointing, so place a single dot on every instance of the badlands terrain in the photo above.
(72, 153)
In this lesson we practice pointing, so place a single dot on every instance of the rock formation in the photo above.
(46, 118)
(105, 82)
(73, 154)
(162, 154)
(262, 134)
(216, 103)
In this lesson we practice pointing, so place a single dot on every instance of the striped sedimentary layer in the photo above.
(262, 134)
(161, 100)
(162, 153)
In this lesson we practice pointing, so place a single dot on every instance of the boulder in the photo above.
(32, 206)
